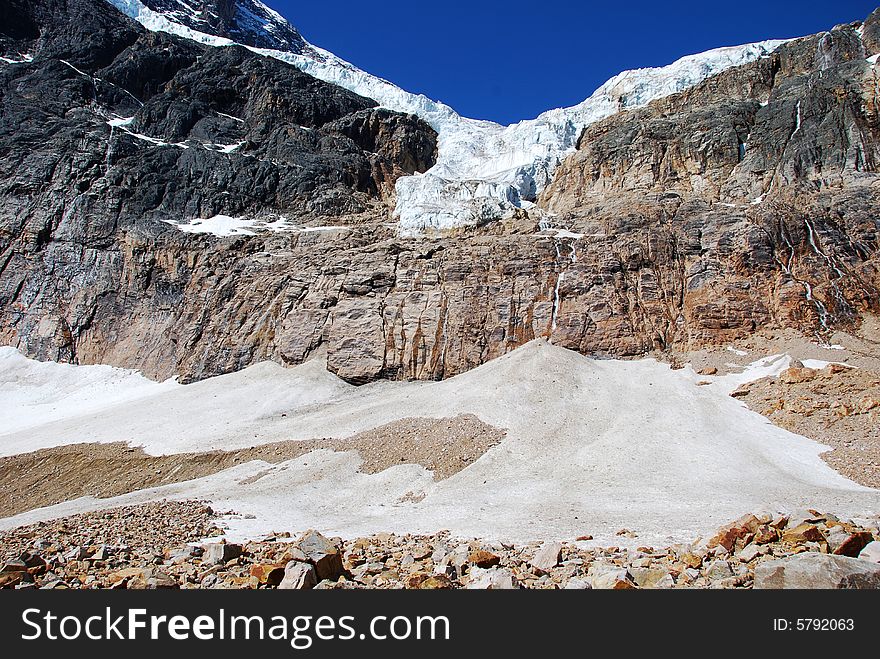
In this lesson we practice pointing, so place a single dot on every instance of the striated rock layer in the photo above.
(747, 202)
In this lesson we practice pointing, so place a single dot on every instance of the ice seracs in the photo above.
(484, 170)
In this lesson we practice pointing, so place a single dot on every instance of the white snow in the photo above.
(225, 225)
(34, 393)
(218, 225)
(45, 404)
(765, 367)
(119, 122)
(820, 363)
(485, 170)
(591, 447)
(228, 148)
(23, 59)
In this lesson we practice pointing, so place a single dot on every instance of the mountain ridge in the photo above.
(485, 171)
(743, 204)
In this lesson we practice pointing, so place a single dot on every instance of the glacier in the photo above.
(484, 171)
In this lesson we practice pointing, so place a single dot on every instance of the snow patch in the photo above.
(643, 448)
(36, 393)
(22, 59)
(224, 226)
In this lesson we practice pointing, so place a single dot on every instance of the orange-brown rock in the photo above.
(483, 559)
(728, 535)
(795, 375)
(803, 533)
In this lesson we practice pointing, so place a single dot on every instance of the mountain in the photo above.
(247, 22)
(484, 171)
(179, 203)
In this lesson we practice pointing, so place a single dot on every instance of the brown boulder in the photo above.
(803, 533)
(483, 559)
(796, 375)
(269, 574)
(728, 534)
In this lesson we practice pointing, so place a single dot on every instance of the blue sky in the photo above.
(511, 60)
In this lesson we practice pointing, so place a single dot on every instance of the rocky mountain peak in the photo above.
(248, 22)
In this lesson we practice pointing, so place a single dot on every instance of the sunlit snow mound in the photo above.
(484, 170)
(590, 446)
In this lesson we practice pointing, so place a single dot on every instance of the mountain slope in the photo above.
(746, 203)
(591, 446)
(484, 171)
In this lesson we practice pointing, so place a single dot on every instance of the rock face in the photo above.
(813, 570)
(744, 203)
(747, 201)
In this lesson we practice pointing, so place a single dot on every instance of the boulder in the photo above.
(321, 553)
(483, 559)
(269, 574)
(148, 579)
(491, 579)
(871, 552)
(299, 576)
(846, 543)
(751, 552)
(646, 577)
(729, 533)
(814, 570)
(796, 375)
(611, 578)
(221, 552)
(803, 533)
(422, 581)
(718, 569)
(547, 557)
(577, 584)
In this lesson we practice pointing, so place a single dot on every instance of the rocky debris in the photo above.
(141, 547)
(836, 405)
(812, 570)
(32, 480)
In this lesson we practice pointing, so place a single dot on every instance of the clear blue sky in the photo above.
(508, 60)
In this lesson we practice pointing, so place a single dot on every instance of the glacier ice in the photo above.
(484, 170)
